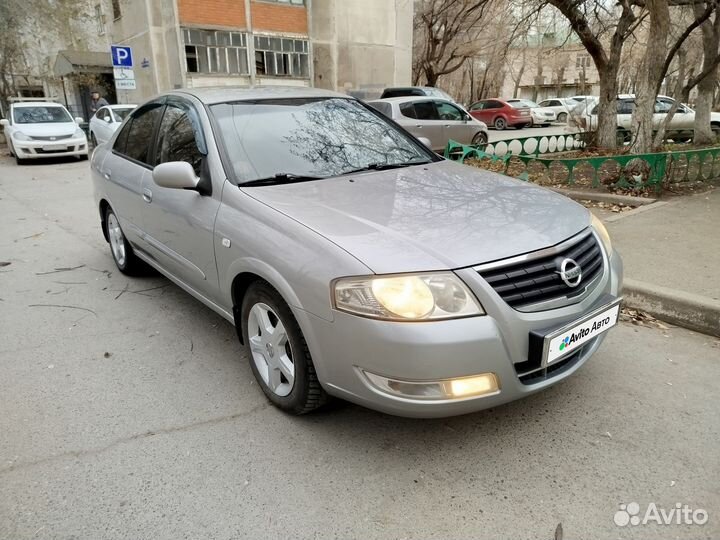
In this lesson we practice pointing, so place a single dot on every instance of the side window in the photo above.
(625, 107)
(408, 110)
(446, 111)
(479, 106)
(425, 110)
(662, 106)
(121, 140)
(142, 130)
(101, 114)
(176, 138)
(493, 105)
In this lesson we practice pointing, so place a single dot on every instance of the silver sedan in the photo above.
(353, 261)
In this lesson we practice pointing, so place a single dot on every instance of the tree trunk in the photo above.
(607, 110)
(650, 75)
(706, 87)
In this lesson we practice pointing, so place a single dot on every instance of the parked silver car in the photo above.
(436, 119)
(352, 260)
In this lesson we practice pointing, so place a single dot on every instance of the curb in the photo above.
(688, 310)
(611, 198)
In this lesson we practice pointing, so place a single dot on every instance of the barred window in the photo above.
(281, 57)
(215, 51)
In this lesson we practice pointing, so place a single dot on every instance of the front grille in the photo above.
(537, 279)
(57, 151)
(53, 138)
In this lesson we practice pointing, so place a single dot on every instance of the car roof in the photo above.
(409, 99)
(222, 94)
(121, 106)
(37, 104)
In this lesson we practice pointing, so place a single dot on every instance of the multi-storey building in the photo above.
(357, 46)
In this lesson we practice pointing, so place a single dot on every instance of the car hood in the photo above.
(429, 217)
(47, 130)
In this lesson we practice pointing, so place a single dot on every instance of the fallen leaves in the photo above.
(612, 207)
(641, 318)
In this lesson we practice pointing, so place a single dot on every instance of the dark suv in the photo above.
(402, 91)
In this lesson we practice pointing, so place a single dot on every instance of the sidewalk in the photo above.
(671, 252)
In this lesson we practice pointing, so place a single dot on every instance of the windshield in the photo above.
(316, 137)
(121, 114)
(40, 115)
(523, 103)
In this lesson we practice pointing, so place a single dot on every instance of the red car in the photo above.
(500, 114)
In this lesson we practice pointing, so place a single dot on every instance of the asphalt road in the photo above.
(127, 410)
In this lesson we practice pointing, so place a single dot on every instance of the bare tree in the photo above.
(592, 21)
(446, 35)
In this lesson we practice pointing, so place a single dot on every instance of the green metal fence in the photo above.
(627, 170)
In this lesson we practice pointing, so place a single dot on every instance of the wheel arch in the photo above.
(103, 207)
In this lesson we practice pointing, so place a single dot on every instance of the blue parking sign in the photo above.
(121, 56)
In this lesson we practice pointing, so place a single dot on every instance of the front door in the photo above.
(454, 122)
(179, 223)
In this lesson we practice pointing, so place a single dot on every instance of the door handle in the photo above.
(447, 125)
(418, 126)
(107, 175)
(147, 195)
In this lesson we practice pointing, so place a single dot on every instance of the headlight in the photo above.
(412, 297)
(602, 233)
(79, 133)
(20, 136)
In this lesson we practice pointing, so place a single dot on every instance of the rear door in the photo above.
(127, 165)
(178, 222)
(479, 110)
(455, 124)
(421, 119)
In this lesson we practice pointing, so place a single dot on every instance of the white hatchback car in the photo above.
(106, 121)
(42, 129)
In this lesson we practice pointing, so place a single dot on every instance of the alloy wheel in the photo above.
(117, 239)
(270, 349)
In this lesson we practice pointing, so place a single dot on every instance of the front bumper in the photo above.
(349, 346)
(47, 149)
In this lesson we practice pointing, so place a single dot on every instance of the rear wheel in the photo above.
(480, 139)
(562, 117)
(122, 251)
(279, 356)
(500, 123)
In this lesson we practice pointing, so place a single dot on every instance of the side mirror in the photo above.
(79, 120)
(4, 122)
(467, 118)
(108, 119)
(425, 141)
(175, 175)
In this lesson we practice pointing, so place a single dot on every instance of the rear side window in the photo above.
(425, 110)
(493, 105)
(176, 139)
(141, 132)
(408, 110)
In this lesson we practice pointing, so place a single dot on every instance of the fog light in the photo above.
(479, 385)
(484, 384)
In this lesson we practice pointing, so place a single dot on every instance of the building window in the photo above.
(116, 10)
(293, 2)
(583, 61)
(100, 18)
(215, 51)
(281, 57)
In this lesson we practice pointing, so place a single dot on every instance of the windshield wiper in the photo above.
(386, 166)
(281, 178)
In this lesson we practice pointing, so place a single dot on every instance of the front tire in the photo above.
(480, 139)
(278, 354)
(121, 250)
